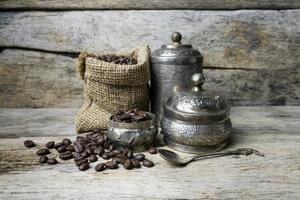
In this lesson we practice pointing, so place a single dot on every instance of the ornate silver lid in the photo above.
(176, 53)
(196, 105)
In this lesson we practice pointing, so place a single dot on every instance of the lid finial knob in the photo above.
(176, 37)
(198, 80)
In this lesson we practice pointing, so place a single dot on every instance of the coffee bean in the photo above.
(111, 154)
(29, 143)
(140, 157)
(152, 150)
(51, 161)
(115, 160)
(66, 155)
(42, 152)
(93, 158)
(79, 162)
(111, 147)
(84, 166)
(84, 154)
(148, 163)
(99, 151)
(100, 142)
(70, 148)
(106, 156)
(106, 145)
(117, 151)
(43, 159)
(50, 145)
(79, 138)
(67, 141)
(111, 165)
(121, 158)
(90, 151)
(127, 164)
(58, 145)
(135, 163)
(78, 147)
(100, 167)
(61, 149)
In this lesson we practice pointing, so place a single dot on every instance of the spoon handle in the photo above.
(240, 151)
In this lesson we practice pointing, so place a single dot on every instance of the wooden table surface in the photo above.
(274, 131)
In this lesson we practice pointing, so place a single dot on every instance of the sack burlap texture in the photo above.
(110, 86)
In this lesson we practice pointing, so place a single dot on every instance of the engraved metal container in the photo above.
(137, 135)
(196, 121)
(172, 65)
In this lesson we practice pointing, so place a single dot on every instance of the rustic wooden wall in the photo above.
(251, 48)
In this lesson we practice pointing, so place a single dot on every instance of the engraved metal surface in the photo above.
(138, 136)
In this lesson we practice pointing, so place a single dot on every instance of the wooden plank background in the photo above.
(251, 56)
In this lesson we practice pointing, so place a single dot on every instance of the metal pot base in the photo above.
(195, 150)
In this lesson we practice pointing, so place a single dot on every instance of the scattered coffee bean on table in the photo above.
(111, 165)
(66, 155)
(140, 157)
(127, 164)
(84, 166)
(100, 167)
(70, 148)
(52, 161)
(29, 144)
(148, 163)
(152, 150)
(93, 158)
(42, 152)
(50, 145)
(67, 141)
(43, 159)
(135, 163)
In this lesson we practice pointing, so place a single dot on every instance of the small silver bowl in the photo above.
(137, 135)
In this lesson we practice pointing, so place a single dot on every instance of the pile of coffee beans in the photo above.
(121, 60)
(88, 149)
(130, 116)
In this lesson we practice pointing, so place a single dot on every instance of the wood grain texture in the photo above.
(146, 4)
(272, 130)
(37, 79)
(246, 39)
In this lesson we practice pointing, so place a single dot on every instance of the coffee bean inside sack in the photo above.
(94, 150)
(120, 60)
(130, 116)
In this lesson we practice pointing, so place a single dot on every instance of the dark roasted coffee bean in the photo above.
(106, 156)
(79, 162)
(148, 163)
(67, 141)
(111, 165)
(127, 164)
(84, 166)
(117, 151)
(121, 158)
(100, 167)
(56, 145)
(140, 157)
(66, 155)
(90, 151)
(61, 149)
(93, 158)
(106, 145)
(92, 145)
(84, 154)
(78, 147)
(135, 163)
(43, 159)
(100, 142)
(50, 145)
(79, 138)
(42, 152)
(129, 154)
(152, 150)
(29, 143)
(99, 151)
(70, 148)
(51, 161)
(115, 160)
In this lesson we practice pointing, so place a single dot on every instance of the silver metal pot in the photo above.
(137, 135)
(196, 121)
(171, 66)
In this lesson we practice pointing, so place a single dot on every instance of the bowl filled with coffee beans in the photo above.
(135, 129)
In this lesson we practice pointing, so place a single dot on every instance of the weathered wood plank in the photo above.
(272, 130)
(36, 79)
(248, 39)
(146, 5)
(25, 122)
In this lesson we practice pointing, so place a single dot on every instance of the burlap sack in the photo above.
(109, 87)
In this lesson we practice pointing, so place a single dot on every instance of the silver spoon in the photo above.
(175, 159)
